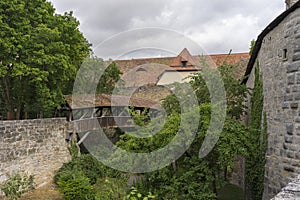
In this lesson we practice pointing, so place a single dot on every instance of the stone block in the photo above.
(285, 105)
(289, 129)
(294, 105)
(297, 120)
(298, 78)
(288, 97)
(293, 67)
(296, 88)
(297, 47)
(296, 56)
(288, 33)
(294, 147)
(288, 139)
(297, 36)
(291, 79)
(297, 96)
(290, 154)
(297, 141)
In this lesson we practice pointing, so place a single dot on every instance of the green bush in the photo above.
(74, 185)
(17, 185)
(85, 163)
(89, 166)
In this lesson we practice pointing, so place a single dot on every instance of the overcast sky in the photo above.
(120, 28)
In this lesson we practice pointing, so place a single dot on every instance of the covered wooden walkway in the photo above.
(92, 112)
(93, 124)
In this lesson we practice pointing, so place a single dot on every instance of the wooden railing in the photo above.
(91, 124)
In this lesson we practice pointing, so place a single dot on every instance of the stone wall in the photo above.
(279, 61)
(35, 147)
(238, 172)
(290, 192)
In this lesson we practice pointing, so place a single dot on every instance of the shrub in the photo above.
(89, 166)
(17, 185)
(85, 163)
(74, 185)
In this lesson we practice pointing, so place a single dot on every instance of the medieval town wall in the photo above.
(279, 62)
(33, 147)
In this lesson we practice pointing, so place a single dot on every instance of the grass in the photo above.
(231, 192)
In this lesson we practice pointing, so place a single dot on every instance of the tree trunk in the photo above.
(18, 114)
(8, 99)
(214, 184)
(9, 115)
(225, 174)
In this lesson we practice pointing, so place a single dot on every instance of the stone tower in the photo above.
(290, 3)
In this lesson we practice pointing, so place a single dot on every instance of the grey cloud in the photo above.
(203, 21)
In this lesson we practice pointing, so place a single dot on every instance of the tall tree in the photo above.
(40, 53)
(97, 76)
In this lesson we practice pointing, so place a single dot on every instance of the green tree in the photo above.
(40, 54)
(190, 177)
(97, 76)
(109, 79)
(255, 161)
(252, 45)
(235, 92)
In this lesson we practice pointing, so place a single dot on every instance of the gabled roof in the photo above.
(186, 57)
(154, 67)
(261, 37)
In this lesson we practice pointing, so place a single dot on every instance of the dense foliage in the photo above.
(74, 185)
(85, 178)
(87, 164)
(190, 177)
(40, 52)
(258, 128)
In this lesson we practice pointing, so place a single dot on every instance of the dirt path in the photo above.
(47, 192)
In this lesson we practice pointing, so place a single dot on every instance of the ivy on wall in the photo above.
(255, 162)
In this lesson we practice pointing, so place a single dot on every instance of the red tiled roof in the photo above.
(133, 76)
(231, 59)
(184, 56)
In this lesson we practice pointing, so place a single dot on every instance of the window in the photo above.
(183, 63)
(284, 54)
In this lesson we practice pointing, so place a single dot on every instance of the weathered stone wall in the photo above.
(290, 192)
(279, 61)
(238, 172)
(35, 147)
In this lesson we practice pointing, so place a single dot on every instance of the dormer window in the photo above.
(183, 64)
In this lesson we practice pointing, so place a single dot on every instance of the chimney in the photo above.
(290, 3)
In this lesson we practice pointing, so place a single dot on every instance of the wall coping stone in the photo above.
(290, 192)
